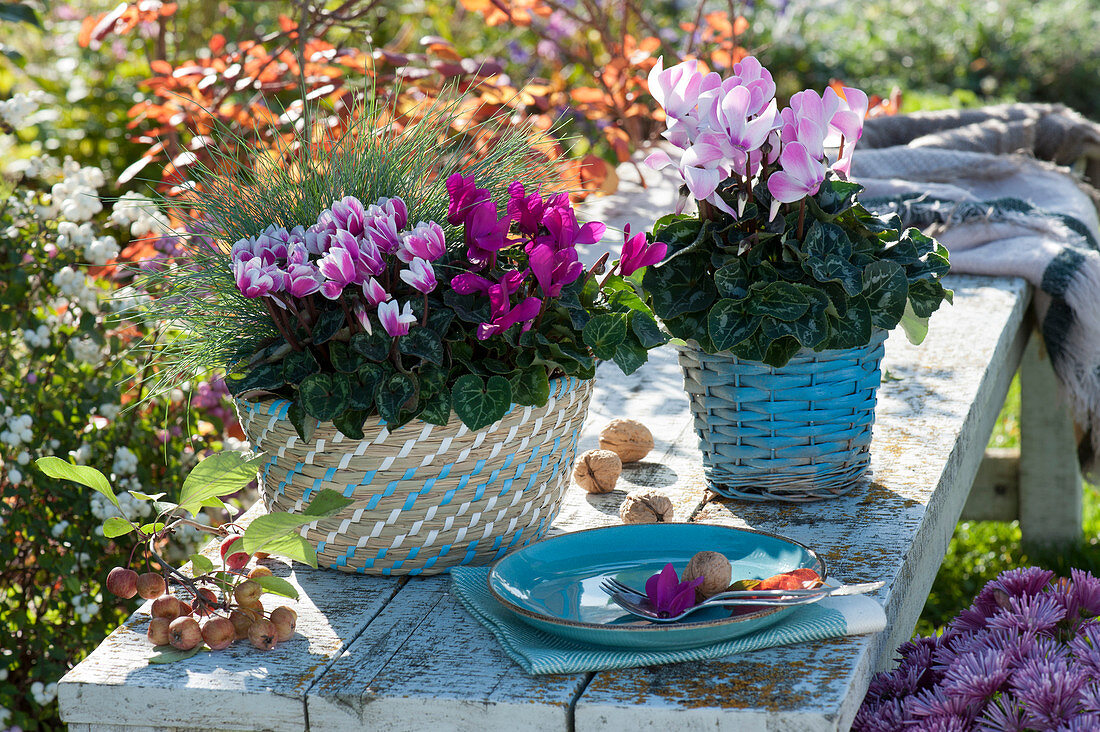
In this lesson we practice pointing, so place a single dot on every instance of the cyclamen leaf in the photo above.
(328, 324)
(424, 343)
(531, 387)
(885, 288)
(220, 474)
(375, 346)
(323, 396)
(303, 424)
(728, 324)
(437, 410)
(630, 356)
(731, 281)
(85, 475)
(342, 358)
(265, 377)
(393, 396)
(780, 300)
(350, 423)
(115, 526)
(298, 365)
(648, 332)
(477, 403)
(680, 286)
(604, 333)
(277, 586)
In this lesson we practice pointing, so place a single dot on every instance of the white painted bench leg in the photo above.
(1050, 481)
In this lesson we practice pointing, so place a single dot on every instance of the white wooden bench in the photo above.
(398, 654)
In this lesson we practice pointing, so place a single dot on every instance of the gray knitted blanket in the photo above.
(987, 184)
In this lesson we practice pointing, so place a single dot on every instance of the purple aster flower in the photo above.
(1090, 697)
(426, 241)
(1024, 581)
(374, 292)
(1085, 722)
(637, 253)
(350, 215)
(977, 676)
(1086, 592)
(1085, 647)
(668, 594)
(1048, 688)
(885, 716)
(1003, 714)
(464, 197)
(932, 703)
(1036, 613)
(395, 319)
(420, 275)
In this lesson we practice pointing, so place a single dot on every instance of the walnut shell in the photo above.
(646, 506)
(597, 470)
(628, 438)
(715, 570)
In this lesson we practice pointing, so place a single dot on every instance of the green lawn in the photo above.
(981, 549)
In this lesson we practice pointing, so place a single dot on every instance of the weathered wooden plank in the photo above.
(1050, 481)
(239, 688)
(995, 495)
(934, 419)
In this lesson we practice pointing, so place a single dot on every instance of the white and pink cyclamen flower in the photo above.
(395, 319)
(722, 127)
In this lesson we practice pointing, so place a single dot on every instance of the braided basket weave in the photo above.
(426, 498)
(800, 432)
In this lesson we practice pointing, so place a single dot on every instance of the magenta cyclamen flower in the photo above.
(254, 279)
(485, 233)
(420, 275)
(363, 317)
(505, 316)
(374, 292)
(464, 196)
(468, 283)
(668, 594)
(338, 267)
(395, 319)
(637, 253)
(525, 210)
(350, 215)
(303, 280)
(426, 241)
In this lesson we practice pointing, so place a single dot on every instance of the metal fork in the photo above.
(643, 608)
(825, 591)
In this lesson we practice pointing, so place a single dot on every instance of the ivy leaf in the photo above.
(298, 365)
(221, 474)
(423, 343)
(328, 324)
(604, 333)
(201, 564)
(477, 403)
(277, 586)
(886, 288)
(728, 324)
(392, 397)
(323, 396)
(779, 300)
(115, 526)
(531, 387)
(374, 346)
(85, 475)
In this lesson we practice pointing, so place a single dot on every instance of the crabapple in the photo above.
(150, 585)
(184, 633)
(259, 572)
(285, 620)
(234, 558)
(248, 592)
(242, 619)
(122, 582)
(263, 634)
(158, 631)
(204, 602)
(168, 607)
(218, 633)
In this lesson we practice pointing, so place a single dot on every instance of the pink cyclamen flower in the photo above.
(733, 132)
(677, 90)
(637, 253)
(338, 267)
(374, 292)
(485, 233)
(395, 209)
(303, 280)
(464, 197)
(848, 121)
(526, 211)
(426, 240)
(363, 317)
(420, 275)
(801, 176)
(468, 283)
(751, 74)
(350, 215)
(254, 279)
(668, 594)
(395, 319)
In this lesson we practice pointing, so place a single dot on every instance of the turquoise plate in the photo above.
(554, 584)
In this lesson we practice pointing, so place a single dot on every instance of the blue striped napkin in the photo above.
(541, 653)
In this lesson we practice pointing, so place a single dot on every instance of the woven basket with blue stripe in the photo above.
(426, 498)
(801, 432)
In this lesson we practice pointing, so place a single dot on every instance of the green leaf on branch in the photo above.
(85, 475)
(327, 503)
(479, 403)
(221, 474)
(145, 496)
(277, 586)
(274, 533)
(115, 526)
(152, 528)
(201, 564)
(604, 333)
(323, 396)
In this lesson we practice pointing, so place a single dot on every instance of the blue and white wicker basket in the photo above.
(801, 432)
(427, 498)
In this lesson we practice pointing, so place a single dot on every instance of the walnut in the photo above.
(597, 470)
(714, 568)
(646, 506)
(628, 438)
